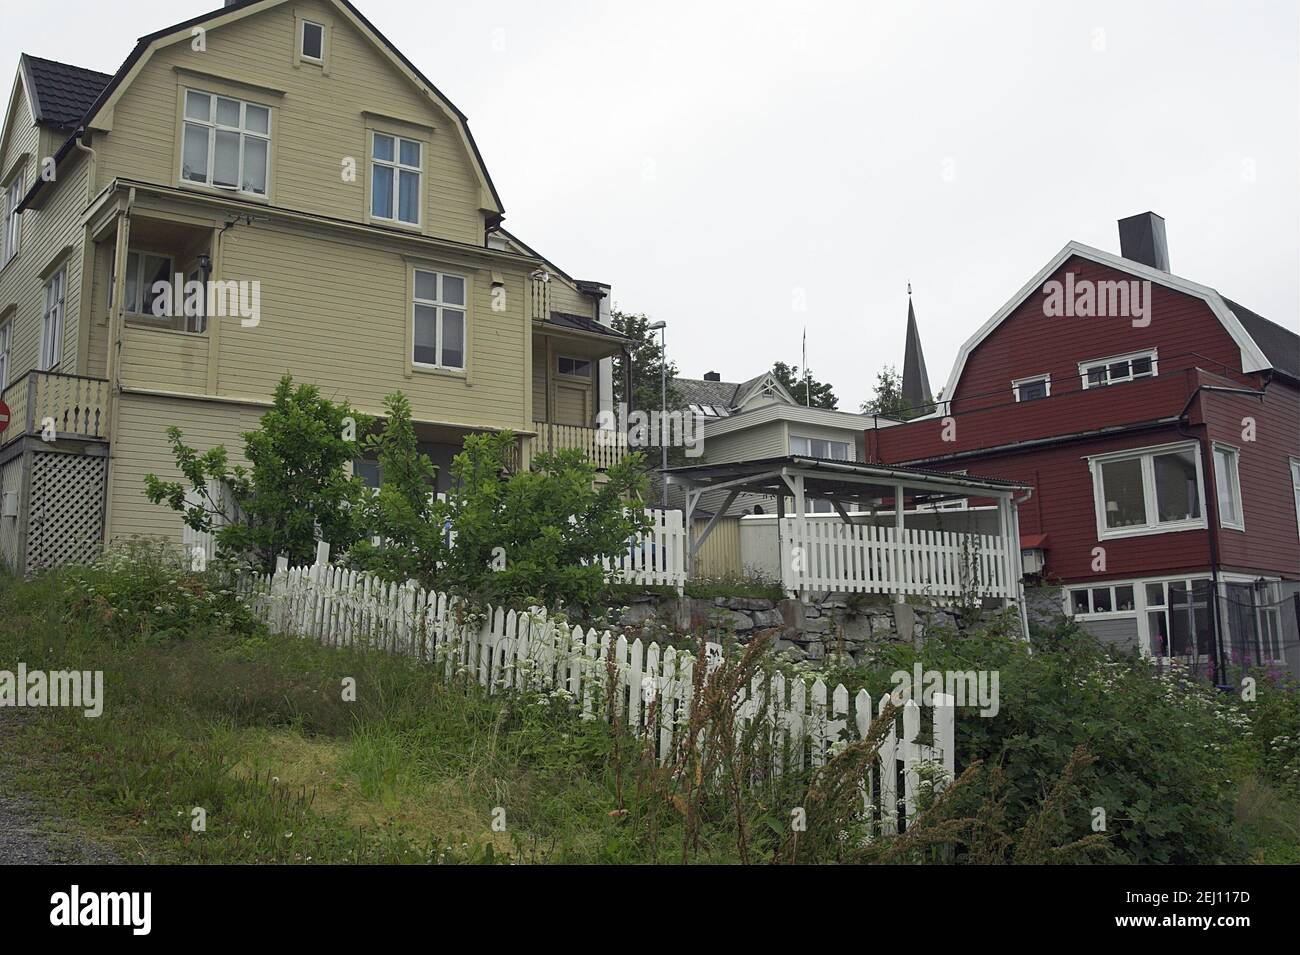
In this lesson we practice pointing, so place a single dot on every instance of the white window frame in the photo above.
(571, 374)
(1145, 609)
(1234, 478)
(136, 309)
(52, 319)
(1093, 614)
(1269, 595)
(1045, 379)
(11, 236)
(1130, 357)
(6, 339)
(302, 42)
(1295, 491)
(1153, 524)
(212, 126)
(811, 438)
(398, 168)
(439, 307)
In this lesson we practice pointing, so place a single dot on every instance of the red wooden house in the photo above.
(1159, 425)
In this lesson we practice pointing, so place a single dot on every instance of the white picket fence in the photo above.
(658, 556)
(511, 650)
(866, 558)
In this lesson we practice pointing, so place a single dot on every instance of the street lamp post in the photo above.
(663, 408)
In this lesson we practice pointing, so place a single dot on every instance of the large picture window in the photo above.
(1148, 491)
(225, 143)
(821, 448)
(439, 317)
(395, 178)
(1178, 618)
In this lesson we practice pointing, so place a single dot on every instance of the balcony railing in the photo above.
(68, 405)
(604, 447)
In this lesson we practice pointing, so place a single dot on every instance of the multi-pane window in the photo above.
(1295, 490)
(439, 318)
(1031, 389)
(143, 270)
(1106, 599)
(1110, 371)
(52, 322)
(573, 367)
(395, 178)
(6, 333)
(225, 143)
(1227, 484)
(313, 41)
(1154, 490)
(1270, 622)
(1178, 618)
(821, 448)
(13, 195)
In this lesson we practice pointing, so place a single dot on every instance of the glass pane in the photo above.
(800, 446)
(1079, 601)
(225, 159)
(255, 164)
(368, 470)
(383, 147)
(1189, 619)
(257, 118)
(1141, 366)
(1118, 370)
(1101, 600)
(1097, 376)
(381, 192)
(410, 155)
(1158, 625)
(426, 331)
(426, 285)
(408, 200)
(156, 269)
(453, 338)
(1032, 390)
(1123, 598)
(313, 40)
(198, 106)
(453, 290)
(1177, 498)
(228, 112)
(1225, 482)
(194, 153)
(1122, 488)
(132, 282)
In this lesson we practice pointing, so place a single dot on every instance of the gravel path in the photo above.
(29, 833)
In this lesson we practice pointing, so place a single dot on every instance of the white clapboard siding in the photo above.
(866, 558)
(507, 650)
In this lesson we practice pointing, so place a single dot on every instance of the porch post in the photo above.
(801, 528)
(780, 556)
(899, 557)
(1018, 567)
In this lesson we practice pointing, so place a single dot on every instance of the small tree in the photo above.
(297, 484)
(539, 535)
(799, 384)
(646, 365)
(888, 399)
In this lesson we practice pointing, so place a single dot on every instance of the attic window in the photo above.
(313, 41)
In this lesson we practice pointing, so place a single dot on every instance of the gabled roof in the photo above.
(1280, 346)
(146, 44)
(60, 92)
(1253, 357)
(726, 396)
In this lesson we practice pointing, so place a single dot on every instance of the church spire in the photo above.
(916, 382)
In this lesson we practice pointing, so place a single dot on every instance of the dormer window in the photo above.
(1111, 371)
(313, 42)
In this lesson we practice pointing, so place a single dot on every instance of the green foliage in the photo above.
(800, 383)
(298, 481)
(405, 515)
(735, 585)
(888, 399)
(537, 535)
(646, 365)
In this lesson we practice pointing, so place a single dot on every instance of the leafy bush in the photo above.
(735, 585)
(298, 485)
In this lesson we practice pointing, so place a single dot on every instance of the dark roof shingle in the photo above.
(61, 93)
(1280, 346)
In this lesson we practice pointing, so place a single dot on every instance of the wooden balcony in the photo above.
(604, 447)
(70, 405)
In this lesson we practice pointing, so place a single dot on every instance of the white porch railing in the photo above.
(604, 446)
(866, 558)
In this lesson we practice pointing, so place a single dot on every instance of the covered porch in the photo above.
(871, 548)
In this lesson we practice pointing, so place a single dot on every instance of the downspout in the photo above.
(1212, 505)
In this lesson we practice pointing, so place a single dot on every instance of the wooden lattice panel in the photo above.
(67, 509)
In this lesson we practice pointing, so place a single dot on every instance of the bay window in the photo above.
(1148, 491)
(439, 320)
(225, 143)
(395, 165)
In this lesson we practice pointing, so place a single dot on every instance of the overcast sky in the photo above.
(746, 169)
